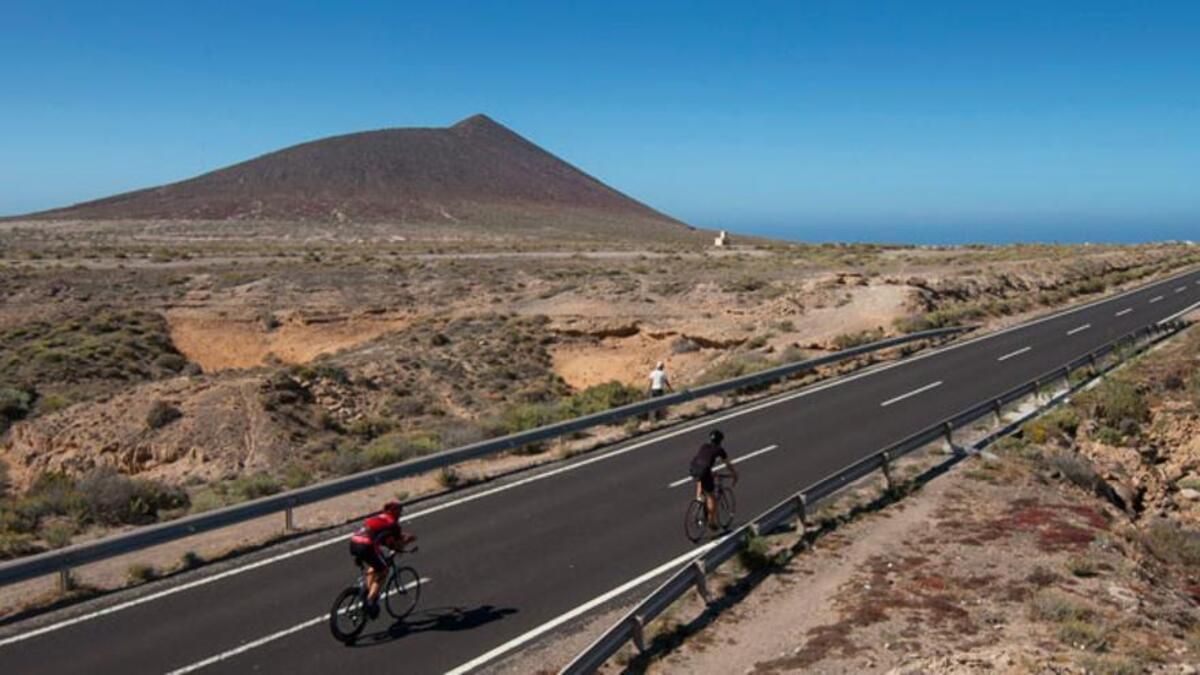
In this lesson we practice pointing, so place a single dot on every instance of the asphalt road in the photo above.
(507, 558)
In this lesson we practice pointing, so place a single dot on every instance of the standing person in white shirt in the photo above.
(659, 385)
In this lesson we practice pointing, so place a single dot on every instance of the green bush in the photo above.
(1062, 422)
(755, 554)
(255, 486)
(599, 398)
(17, 544)
(15, 404)
(1116, 403)
(851, 340)
(114, 499)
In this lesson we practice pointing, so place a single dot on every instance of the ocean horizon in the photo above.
(992, 234)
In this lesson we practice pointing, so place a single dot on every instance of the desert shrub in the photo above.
(161, 414)
(206, 499)
(462, 432)
(450, 478)
(171, 361)
(1057, 607)
(755, 554)
(342, 460)
(113, 499)
(51, 403)
(190, 560)
(851, 340)
(370, 427)
(1172, 543)
(1062, 422)
(5, 481)
(17, 544)
(526, 416)
(1085, 634)
(15, 404)
(140, 573)
(1082, 566)
(785, 326)
(757, 341)
(1112, 665)
(1116, 403)
(745, 284)
(736, 365)
(255, 485)
(58, 533)
(598, 398)
(296, 475)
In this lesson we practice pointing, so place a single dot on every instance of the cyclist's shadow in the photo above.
(436, 619)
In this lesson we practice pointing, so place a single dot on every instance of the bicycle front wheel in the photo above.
(348, 616)
(403, 591)
(695, 521)
(725, 508)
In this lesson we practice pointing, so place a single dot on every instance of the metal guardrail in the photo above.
(693, 575)
(60, 561)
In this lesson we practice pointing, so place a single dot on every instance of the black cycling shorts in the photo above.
(366, 554)
(707, 482)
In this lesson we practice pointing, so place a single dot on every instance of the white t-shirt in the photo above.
(658, 379)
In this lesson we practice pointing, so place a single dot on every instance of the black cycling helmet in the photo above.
(716, 436)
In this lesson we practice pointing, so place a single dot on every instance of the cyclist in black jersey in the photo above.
(701, 470)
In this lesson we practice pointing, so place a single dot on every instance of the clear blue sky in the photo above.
(903, 121)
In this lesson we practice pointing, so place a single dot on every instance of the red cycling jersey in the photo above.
(379, 529)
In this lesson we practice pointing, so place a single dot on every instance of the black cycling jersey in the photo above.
(706, 458)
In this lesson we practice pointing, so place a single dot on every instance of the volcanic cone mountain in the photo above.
(476, 173)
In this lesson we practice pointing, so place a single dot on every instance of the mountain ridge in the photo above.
(475, 172)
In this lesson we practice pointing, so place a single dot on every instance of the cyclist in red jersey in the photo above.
(377, 531)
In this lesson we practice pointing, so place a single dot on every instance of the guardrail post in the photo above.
(887, 472)
(1092, 364)
(802, 512)
(1037, 391)
(289, 519)
(66, 582)
(701, 578)
(639, 632)
(998, 408)
(949, 430)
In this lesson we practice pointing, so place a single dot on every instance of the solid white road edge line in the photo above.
(914, 392)
(1012, 354)
(1155, 299)
(776, 401)
(479, 495)
(1181, 312)
(582, 609)
(1124, 311)
(743, 458)
(264, 640)
(1079, 329)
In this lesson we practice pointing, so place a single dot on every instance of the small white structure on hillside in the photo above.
(722, 239)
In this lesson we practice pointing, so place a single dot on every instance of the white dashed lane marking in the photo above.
(914, 392)
(1016, 353)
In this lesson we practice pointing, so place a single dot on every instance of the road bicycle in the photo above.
(695, 519)
(401, 590)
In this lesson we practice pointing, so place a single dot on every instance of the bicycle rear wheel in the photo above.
(725, 508)
(348, 616)
(695, 521)
(403, 591)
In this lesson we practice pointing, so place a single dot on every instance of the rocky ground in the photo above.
(208, 366)
(1074, 549)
